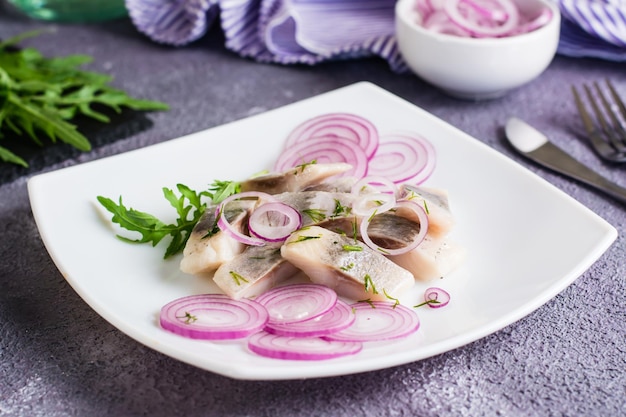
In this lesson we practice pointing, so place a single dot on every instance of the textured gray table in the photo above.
(58, 357)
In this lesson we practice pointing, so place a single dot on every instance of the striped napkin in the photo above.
(312, 31)
(593, 28)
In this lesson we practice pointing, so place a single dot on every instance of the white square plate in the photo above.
(518, 229)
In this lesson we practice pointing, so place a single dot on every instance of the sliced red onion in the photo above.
(375, 203)
(213, 317)
(382, 184)
(338, 318)
(377, 321)
(227, 228)
(403, 157)
(356, 129)
(497, 23)
(436, 297)
(274, 222)
(300, 348)
(293, 303)
(324, 149)
(420, 217)
(478, 18)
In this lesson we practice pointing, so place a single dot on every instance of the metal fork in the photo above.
(608, 138)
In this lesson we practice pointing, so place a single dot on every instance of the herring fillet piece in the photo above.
(436, 203)
(205, 253)
(294, 179)
(253, 271)
(318, 206)
(433, 258)
(322, 255)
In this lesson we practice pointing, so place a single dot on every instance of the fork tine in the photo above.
(616, 98)
(619, 124)
(615, 133)
(584, 115)
(596, 109)
(601, 147)
(604, 124)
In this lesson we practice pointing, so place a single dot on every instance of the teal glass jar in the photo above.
(71, 10)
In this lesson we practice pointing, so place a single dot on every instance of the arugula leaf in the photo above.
(189, 207)
(40, 96)
(223, 189)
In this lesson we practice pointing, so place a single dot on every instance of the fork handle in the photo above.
(565, 164)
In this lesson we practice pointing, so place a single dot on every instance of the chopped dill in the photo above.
(237, 278)
(347, 267)
(368, 301)
(395, 300)
(341, 210)
(367, 280)
(305, 238)
(189, 318)
(426, 303)
(316, 215)
(302, 167)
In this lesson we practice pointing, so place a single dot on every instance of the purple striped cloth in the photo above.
(312, 31)
(281, 31)
(593, 28)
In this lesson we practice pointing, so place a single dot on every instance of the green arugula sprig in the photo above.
(40, 95)
(189, 205)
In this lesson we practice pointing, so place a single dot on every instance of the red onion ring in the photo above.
(355, 129)
(326, 149)
(338, 318)
(498, 24)
(213, 317)
(293, 303)
(442, 297)
(374, 203)
(478, 18)
(422, 219)
(274, 222)
(377, 321)
(227, 228)
(403, 157)
(364, 184)
(300, 348)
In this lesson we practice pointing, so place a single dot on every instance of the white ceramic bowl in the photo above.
(477, 68)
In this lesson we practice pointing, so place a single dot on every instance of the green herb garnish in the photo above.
(188, 205)
(395, 300)
(347, 267)
(341, 210)
(305, 238)
(368, 301)
(40, 96)
(369, 284)
(220, 190)
(189, 318)
(316, 215)
(237, 278)
(426, 303)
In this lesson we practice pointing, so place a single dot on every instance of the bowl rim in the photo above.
(401, 13)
